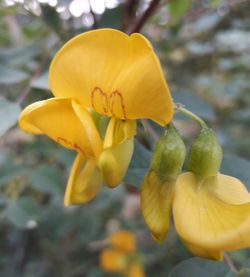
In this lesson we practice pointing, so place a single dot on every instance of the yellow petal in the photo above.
(156, 200)
(205, 253)
(57, 119)
(123, 241)
(231, 190)
(114, 162)
(113, 73)
(203, 217)
(84, 181)
(89, 127)
(118, 131)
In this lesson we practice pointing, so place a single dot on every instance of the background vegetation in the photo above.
(204, 47)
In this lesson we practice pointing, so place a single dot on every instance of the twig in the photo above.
(145, 16)
(230, 263)
(27, 89)
(36, 73)
(129, 13)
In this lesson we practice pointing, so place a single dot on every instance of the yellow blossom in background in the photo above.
(121, 256)
(123, 240)
(114, 75)
(113, 261)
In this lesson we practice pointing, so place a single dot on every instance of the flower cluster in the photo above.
(121, 256)
(102, 82)
(211, 211)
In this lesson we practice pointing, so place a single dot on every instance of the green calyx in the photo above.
(205, 155)
(169, 155)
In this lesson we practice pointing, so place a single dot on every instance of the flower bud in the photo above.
(169, 155)
(158, 183)
(205, 155)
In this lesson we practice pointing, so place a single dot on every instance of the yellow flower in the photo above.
(124, 241)
(115, 75)
(212, 217)
(211, 211)
(122, 257)
(113, 261)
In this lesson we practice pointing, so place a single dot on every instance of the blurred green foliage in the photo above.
(204, 48)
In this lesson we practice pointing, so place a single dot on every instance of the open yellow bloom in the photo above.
(212, 217)
(115, 75)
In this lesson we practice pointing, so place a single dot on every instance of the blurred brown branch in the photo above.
(129, 15)
(145, 16)
(26, 91)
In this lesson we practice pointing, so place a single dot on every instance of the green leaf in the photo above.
(206, 23)
(10, 171)
(197, 267)
(139, 165)
(245, 270)
(48, 179)
(178, 8)
(18, 55)
(24, 213)
(11, 76)
(9, 113)
(236, 166)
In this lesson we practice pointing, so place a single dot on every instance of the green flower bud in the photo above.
(205, 155)
(169, 155)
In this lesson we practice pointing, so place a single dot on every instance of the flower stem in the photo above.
(180, 108)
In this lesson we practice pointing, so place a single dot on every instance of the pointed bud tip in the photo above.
(205, 155)
(169, 155)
